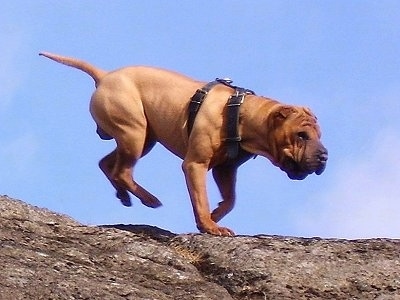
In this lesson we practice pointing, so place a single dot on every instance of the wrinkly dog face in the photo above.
(300, 151)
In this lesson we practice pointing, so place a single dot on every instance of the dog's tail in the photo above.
(93, 71)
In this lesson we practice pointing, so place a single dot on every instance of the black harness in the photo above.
(235, 100)
(198, 98)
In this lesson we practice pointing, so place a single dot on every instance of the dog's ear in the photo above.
(279, 115)
(284, 112)
(309, 112)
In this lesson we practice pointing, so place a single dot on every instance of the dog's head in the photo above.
(298, 150)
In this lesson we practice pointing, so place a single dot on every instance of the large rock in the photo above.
(50, 256)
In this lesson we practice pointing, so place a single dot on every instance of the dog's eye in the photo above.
(303, 135)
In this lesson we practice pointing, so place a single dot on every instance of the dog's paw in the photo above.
(223, 231)
(214, 229)
(153, 202)
(124, 197)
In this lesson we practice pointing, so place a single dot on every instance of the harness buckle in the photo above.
(225, 80)
(233, 139)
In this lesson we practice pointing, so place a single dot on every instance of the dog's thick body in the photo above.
(139, 106)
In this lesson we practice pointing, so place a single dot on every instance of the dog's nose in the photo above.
(323, 155)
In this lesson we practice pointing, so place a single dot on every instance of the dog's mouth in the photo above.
(294, 170)
(308, 165)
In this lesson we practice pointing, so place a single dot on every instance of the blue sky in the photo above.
(341, 58)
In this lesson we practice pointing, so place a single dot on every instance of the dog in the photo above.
(140, 106)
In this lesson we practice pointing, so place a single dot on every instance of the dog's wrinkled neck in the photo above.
(254, 115)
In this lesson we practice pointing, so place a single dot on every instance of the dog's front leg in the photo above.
(195, 175)
(225, 178)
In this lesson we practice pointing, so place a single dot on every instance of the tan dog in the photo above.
(139, 106)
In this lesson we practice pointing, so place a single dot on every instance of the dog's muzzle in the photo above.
(309, 164)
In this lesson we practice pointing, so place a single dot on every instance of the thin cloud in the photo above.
(364, 200)
(18, 155)
(10, 76)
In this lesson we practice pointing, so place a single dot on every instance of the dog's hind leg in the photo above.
(225, 178)
(130, 147)
(118, 111)
(107, 164)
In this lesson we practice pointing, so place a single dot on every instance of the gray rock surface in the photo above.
(45, 255)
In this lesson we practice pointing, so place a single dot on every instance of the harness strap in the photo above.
(235, 100)
(233, 105)
(198, 98)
